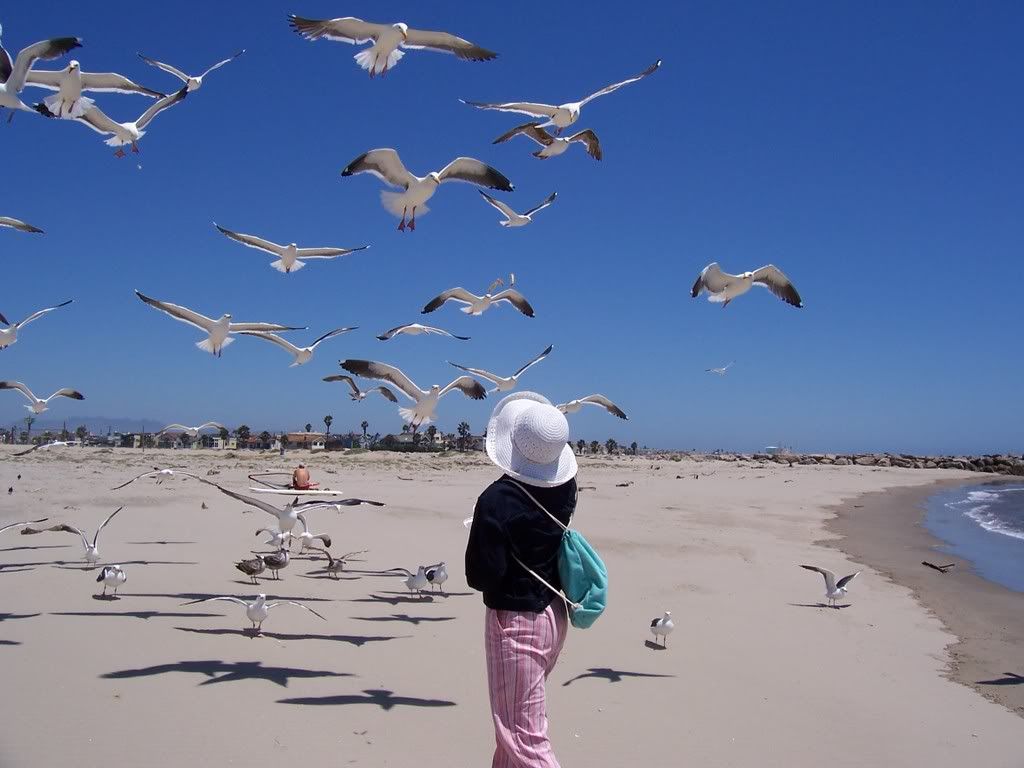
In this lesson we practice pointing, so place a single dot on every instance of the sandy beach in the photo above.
(757, 672)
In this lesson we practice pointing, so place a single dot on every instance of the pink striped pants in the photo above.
(522, 649)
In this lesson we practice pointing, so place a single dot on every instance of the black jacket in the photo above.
(506, 520)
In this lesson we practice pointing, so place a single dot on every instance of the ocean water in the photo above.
(983, 524)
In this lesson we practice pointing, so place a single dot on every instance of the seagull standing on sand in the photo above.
(437, 575)
(387, 166)
(834, 590)
(38, 405)
(7, 221)
(68, 102)
(14, 74)
(358, 394)
(477, 305)
(290, 258)
(252, 567)
(513, 219)
(192, 82)
(723, 287)
(217, 330)
(600, 400)
(9, 335)
(663, 628)
(387, 39)
(414, 329)
(302, 355)
(306, 538)
(416, 582)
(552, 146)
(425, 399)
(504, 384)
(277, 561)
(336, 565)
(92, 551)
(111, 576)
(563, 115)
(720, 371)
(257, 610)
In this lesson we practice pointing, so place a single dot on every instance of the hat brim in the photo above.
(506, 457)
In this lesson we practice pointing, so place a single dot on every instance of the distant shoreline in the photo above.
(886, 531)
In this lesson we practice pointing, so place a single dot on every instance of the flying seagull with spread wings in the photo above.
(513, 219)
(552, 146)
(302, 355)
(477, 305)
(387, 166)
(92, 552)
(18, 224)
(388, 40)
(358, 394)
(218, 331)
(290, 258)
(599, 400)
(9, 335)
(720, 371)
(68, 102)
(415, 329)
(425, 399)
(722, 287)
(257, 610)
(38, 405)
(192, 431)
(14, 74)
(503, 383)
(192, 82)
(563, 115)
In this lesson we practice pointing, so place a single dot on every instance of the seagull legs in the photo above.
(412, 221)
(120, 152)
(401, 224)
(135, 148)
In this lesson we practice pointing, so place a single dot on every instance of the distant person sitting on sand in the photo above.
(300, 479)
(524, 624)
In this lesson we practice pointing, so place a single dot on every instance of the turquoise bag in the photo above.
(583, 574)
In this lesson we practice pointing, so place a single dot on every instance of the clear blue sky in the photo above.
(871, 150)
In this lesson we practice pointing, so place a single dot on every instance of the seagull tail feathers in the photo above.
(280, 267)
(117, 141)
(78, 107)
(207, 346)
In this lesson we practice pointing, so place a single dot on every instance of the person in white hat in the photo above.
(525, 625)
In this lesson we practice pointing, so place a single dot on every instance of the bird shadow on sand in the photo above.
(821, 605)
(137, 614)
(404, 617)
(326, 575)
(397, 598)
(217, 671)
(654, 646)
(207, 595)
(1008, 678)
(35, 546)
(161, 543)
(386, 700)
(9, 642)
(356, 640)
(66, 566)
(13, 568)
(611, 675)
(392, 574)
(10, 616)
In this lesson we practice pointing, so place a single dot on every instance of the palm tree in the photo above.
(309, 427)
(81, 433)
(364, 426)
(264, 438)
(29, 421)
(611, 446)
(633, 447)
(464, 433)
(243, 433)
(328, 420)
(581, 446)
(223, 434)
(595, 447)
(431, 435)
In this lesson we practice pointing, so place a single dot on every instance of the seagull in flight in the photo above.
(387, 166)
(600, 400)
(552, 146)
(336, 565)
(513, 219)
(9, 335)
(256, 610)
(307, 537)
(720, 371)
(477, 305)
(14, 74)
(834, 590)
(160, 474)
(192, 432)
(217, 330)
(92, 552)
(45, 447)
(69, 83)
(723, 287)
(388, 41)
(290, 258)
(415, 329)
(562, 115)
(302, 355)
(7, 221)
(38, 405)
(425, 399)
(504, 384)
(192, 82)
(358, 394)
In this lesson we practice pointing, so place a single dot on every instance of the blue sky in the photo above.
(870, 150)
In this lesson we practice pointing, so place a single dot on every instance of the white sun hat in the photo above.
(528, 438)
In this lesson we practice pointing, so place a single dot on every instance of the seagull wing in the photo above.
(385, 392)
(343, 30)
(270, 510)
(213, 424)
(99, 121)
(369, 369)
(103, 525)
(516, 299)
(590, 141)
(332, 334)
(499, 205)
(474, 172)
(772, 278)
(252, 241)
(830, 578)
(847, 579)
(22, 523)
(347, 379)
(547, 201)
(531, 130)
(357, 503)
(137, 477)
(520, 107)
(20, 387)
(160, 106)
(713, 279)
(456, 294)
(220, 64)
(47, 50)
(166, 68)
(185, 315)
(66, 392)
(292, 602)
(327, 253)
(468, 386)
(406, 571)
(478, 372)
(6, 65)
(264, 327)
(49, 79)
(111, 82)
(169, 427)
(535, 360)
(224, 597)
(387, 336)
(385, 164)
(605, 403)
(7, 221)
(67, 528)
(274, 339)
(25, 453)
(615, 86)
(443, 332)
(445, 42)
(40, 313)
